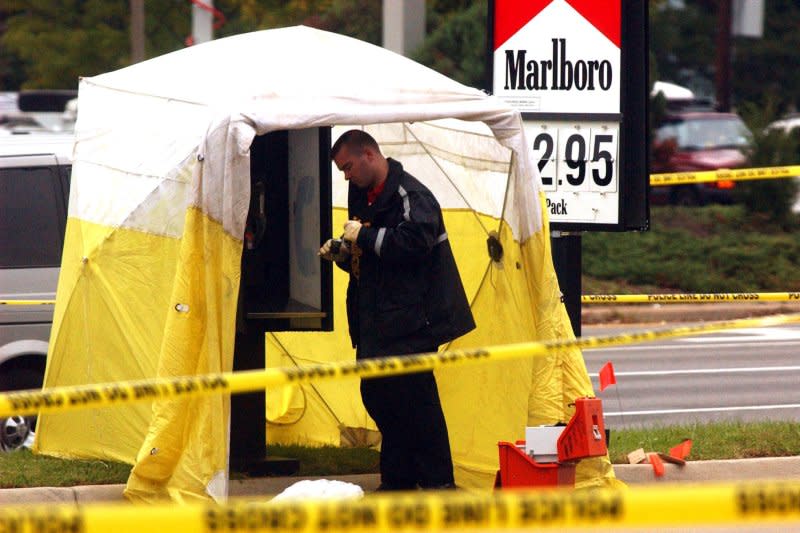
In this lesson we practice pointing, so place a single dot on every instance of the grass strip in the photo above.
(719, 440)
(21, 468)
(710, 249)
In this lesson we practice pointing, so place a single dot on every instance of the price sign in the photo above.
(577, 165)
(560, 63)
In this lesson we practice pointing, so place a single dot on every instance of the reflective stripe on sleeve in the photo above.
(379, 241)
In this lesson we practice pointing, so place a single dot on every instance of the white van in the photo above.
(34, 190)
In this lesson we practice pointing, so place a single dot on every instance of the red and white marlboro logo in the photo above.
(512, 15)
(558, 56)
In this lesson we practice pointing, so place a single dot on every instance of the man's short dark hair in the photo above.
(356, 141)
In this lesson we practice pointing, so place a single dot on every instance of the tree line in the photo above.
(51, 44)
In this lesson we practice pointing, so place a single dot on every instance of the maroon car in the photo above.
(694, 141)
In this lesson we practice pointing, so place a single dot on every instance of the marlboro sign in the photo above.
(558, 56)
(565, 66)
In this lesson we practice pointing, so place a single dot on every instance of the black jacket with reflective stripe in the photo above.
(408, 296)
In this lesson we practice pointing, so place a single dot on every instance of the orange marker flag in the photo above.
(658, 464)
(681, 451)
(607, 377)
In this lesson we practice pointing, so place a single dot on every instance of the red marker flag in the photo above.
(658, 464)
(607, 377)
(681, 451)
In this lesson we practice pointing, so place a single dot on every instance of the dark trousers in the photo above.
(415, 449)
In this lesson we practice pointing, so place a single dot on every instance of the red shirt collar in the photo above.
(373, 193)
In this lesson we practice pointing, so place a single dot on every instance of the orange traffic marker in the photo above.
(658, 464)
(681, 451)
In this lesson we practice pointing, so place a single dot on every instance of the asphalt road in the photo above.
(750, 374)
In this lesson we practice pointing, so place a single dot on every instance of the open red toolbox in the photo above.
(582, 437)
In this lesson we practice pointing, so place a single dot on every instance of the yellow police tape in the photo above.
(739, 174)
(525, 510)
(698, 298)
(106, 394)
(27, 302)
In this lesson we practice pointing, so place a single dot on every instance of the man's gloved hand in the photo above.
(351, 229)
(334, 250)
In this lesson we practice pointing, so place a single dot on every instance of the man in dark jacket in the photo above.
(405, 296)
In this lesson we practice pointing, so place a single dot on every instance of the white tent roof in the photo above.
(223, 92)
(294, 63)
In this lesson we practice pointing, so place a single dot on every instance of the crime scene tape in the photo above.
(655, 505)
(108, 394)
(699, 298)
(724, 174)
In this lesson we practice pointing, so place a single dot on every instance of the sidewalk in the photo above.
(267, 487)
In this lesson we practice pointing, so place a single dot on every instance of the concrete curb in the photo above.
(721, 471)
(772, 468)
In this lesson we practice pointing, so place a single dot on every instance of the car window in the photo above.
(710, 133)
(666, 132)
(31, 217)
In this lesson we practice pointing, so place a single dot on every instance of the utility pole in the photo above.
(202, 21)
(403, 25)
(137, 30)
(723, 74)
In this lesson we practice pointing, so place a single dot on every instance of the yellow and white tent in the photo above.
(151, 266)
